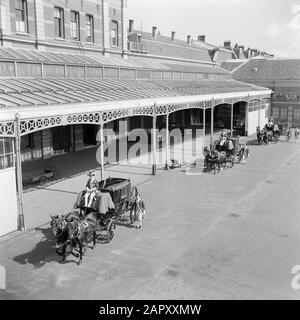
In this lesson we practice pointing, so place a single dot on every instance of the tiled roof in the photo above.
(18, 93)
(231, 65)
(65, 58)
(176, 66)
(221, 55)
(164, 46)
(195, 68)
(269, 69)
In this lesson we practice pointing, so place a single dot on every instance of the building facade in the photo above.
(282, 76)
(67, 72)
(77, 26)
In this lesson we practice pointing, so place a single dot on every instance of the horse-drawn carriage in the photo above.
(269, 134)
(76, 227)
(224, 153)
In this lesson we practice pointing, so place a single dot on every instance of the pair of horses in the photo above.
(266, 137)
(71, 231)
(75, 230)
(214, 160)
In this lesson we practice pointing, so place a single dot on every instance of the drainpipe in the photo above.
(36, 27)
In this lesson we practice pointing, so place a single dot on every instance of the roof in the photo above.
(232, 64)
(26, 55)
(269, 69)
(19, 93)
(177, 66)
(36, 56)
(164, 46)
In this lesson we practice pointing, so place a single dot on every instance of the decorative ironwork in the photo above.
(108, 116)
(27, 126)
(81, 118)
(161, 110)
(143, 111)
(177, 107)
(7, 129)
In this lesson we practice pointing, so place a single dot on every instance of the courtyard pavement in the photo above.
(234, 235)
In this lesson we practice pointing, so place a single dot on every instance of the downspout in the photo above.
(36, 26)
(103, 28)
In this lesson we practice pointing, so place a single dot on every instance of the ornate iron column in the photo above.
(212, 123)
(21, 220)
(167, 141)
(204, 122)
(101, 150)
(153, 138)
(231, 119)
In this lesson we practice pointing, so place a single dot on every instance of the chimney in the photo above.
(227, 44)
(201, 38)
(154, 32)
(131, 26)
(173, 35)
(248, 53)
(188, 39)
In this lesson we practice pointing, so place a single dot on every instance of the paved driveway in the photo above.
(233, 235)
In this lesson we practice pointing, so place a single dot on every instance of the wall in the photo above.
(8, 199)
(103, 12)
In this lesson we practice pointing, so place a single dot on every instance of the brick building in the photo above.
(280, 75)
(75, 26)
(67, 72)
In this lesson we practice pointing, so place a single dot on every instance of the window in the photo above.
(21, 16)
(284, 113)
(275, 112)
(89, 28)
(6, 153)
(75, 26)
(114, 34)
(296, 113)
(59, 22)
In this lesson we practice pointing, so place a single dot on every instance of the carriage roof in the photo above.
(114, 184)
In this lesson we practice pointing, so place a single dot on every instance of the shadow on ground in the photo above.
(42, 253)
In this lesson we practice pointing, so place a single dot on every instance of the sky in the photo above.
(267, 25)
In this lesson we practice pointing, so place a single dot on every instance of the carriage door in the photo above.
(8, 190)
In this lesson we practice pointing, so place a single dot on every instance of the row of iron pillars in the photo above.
(21, 220)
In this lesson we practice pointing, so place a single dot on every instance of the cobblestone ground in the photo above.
(234, 235)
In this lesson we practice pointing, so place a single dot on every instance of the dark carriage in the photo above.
(231, 148)
(123, 197)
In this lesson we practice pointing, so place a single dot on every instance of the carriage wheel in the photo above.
(132, 214)
(43, 180)
(111, 231)
(231, 163)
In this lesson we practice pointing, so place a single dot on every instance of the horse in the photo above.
(59, 231)
(138, 211)
(78, 232)
(64, 233)
(214, 160)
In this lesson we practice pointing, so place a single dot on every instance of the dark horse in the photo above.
(214, 160)
(69, 231)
